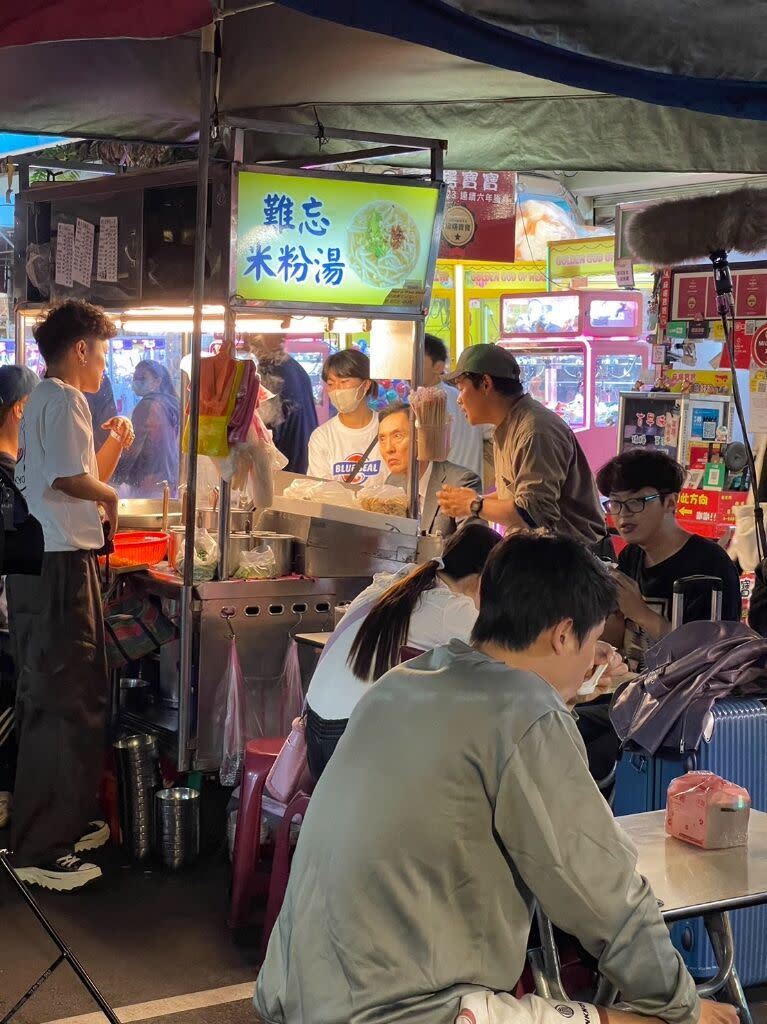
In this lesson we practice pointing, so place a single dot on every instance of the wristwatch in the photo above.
(476, 506)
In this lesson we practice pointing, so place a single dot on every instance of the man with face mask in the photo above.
(346, 447)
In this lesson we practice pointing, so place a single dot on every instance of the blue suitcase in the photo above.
(738, 752)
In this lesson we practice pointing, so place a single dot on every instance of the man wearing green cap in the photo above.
(542, 476)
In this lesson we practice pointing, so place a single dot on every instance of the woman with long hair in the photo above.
(419, 608)
(156, 418)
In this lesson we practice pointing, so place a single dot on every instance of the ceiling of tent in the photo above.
(281, 64)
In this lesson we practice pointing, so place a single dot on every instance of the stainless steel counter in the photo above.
(265, 615)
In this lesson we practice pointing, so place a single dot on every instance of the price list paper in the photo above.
(106, 262)
(83, 261)
(65, 250)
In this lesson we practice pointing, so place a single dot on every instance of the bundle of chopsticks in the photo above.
(430, 407)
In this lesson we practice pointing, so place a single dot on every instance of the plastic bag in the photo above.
(205, 557)
(230, 701)
(383, 498)
(245, 404)
(327, 492)
(291, 689)
(249, 467)
(258, 564)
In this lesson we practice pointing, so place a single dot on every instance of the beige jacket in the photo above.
(540, 466)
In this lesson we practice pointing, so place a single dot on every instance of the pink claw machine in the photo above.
(578, 350)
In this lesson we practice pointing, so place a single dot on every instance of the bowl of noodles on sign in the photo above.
(383, 244)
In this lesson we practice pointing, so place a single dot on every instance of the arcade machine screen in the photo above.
(615, 314)
(550, 314)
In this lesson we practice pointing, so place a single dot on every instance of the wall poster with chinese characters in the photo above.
(332, 241)
(480, 215)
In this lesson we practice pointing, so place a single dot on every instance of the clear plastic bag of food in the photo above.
(300, 488)
(205, 557)
(327, 492)
(383, 498)
(258, 564)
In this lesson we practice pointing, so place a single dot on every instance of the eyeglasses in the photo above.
(634, 506)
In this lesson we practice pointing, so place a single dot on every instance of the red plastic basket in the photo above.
(139, 548)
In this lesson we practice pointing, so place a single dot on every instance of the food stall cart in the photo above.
(286, 250)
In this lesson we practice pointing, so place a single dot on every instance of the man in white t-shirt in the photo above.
(345, 448)
(56, 619)
(469, 446)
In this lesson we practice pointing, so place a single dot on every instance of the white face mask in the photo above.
(347, 399)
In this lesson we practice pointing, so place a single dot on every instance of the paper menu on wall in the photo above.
(106, 261)
(65, 248)
(82, 267)
(757, 407)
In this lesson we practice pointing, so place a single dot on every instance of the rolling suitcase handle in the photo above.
(680, 588)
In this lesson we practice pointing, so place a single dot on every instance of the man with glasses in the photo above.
(642, 490)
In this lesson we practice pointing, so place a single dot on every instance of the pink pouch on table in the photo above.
(708, 811)
(286, 773)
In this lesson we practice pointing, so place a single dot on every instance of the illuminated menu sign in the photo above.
(324, 240)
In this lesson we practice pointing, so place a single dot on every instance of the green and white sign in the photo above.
(334, 241)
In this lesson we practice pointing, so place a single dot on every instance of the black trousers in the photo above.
(7, 716)
(322, 736)
(57, 632)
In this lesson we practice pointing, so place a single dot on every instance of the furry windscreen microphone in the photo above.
(691, 229)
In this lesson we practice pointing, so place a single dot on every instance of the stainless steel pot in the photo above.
(281, 545)
(238, 542)
(176, 536)
(146, 513)
(240, 520)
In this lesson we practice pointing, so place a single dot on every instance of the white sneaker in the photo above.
(96, 837)
(6, 801)
(63, 875)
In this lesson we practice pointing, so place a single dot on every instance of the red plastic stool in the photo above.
(247, 881)
(283, 855)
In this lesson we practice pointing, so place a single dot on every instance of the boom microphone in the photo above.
(682, 230)
(710, 226)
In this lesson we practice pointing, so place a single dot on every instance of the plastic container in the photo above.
(139, 548)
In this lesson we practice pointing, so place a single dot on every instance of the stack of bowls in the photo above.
(137, 779)
(177, 826)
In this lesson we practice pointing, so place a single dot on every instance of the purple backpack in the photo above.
(665, 709)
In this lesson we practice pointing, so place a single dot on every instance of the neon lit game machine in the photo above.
(578, 350)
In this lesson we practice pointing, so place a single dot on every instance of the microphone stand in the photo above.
(726, 307)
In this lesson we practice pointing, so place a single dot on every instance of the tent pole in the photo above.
(207, 70)
(416, 382)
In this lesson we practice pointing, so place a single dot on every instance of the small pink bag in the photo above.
(289, 768)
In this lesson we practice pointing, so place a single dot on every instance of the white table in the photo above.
(313, 639)
(687, 882)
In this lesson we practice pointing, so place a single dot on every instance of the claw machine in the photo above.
(578, 351)
(465, 307)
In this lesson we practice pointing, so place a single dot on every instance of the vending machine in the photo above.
(578, 351)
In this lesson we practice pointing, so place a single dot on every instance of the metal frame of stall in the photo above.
(234, 132)
(232, 136)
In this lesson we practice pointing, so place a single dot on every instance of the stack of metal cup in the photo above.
(177, 827)
(137, 780)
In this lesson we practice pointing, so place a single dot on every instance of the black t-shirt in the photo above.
(698, 557)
